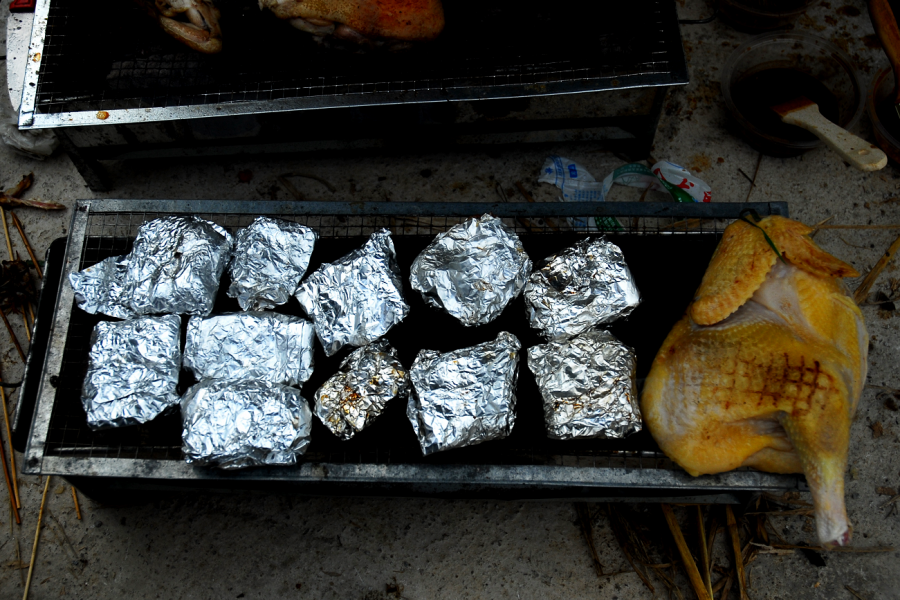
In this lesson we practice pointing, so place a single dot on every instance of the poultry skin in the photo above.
(766, 367)
(363, 21)
(199, 31)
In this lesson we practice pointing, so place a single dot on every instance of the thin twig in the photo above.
(753, 181)
(330, 187)
(27, 327)
(37, 536)
(12, 334)
(587, 530)
(290, 188)
(28, 248)
(736, 546)
(784, 513)
(747, 177)
(75, 500)
(704, 554)
(9, 487)
(847, 549)
(19, 558)
(891, 501)
(6, 233)
(12, 453)
(819, 225)
(687, 560)
(854, 592)
(863, 290)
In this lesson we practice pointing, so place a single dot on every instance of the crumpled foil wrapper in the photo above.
(101, 288)
(133, 371)
(367, 380)
(270, 258)
(236, 424)
(358, 298)
(251, 345)
(464, 397)
(174, 267)
(472, 271)
(585, 285)
(588, 386)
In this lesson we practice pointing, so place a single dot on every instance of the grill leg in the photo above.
(89, 169)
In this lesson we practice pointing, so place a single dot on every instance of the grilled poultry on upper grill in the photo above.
(363, 21)
(766, 368)
(200, 30)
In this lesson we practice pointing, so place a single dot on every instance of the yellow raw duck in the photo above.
(766, 368)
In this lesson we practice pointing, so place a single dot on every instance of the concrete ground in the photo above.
(268, 546)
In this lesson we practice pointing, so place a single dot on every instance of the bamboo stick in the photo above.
(687, 559)
(863, 290)
(738, 555)
(28, 248)
(75, 500)
(12, 453)
(9, 488)
(704, 554)
(6, 233)
(12, 334)
(37, 536)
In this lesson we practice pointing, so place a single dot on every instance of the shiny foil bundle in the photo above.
(588, 386)
(472, 270)
(358, 298)
(235, 424)
(585, 285)
(251, 345)
(464, 397)
(270, 259)
(133, 371)
(175, 266)
(367, 380)
(101, 288)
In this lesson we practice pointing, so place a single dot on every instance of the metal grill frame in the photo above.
(638, 474)
(499, 86)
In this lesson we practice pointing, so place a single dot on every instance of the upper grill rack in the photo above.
(112, 57)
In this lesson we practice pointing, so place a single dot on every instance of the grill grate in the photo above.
(649, 243)
(111, 56)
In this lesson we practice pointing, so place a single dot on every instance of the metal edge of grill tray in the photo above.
(629, 476)
(502, 85)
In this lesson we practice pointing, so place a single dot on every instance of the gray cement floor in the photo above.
(268, 546)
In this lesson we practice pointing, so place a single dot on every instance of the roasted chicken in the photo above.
(192, 22)
(363, 21)
(766, 368)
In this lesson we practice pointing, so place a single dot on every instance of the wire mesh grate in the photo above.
(649, 243)
(112, 55)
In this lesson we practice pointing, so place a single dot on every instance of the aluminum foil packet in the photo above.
(101, 288)
(174, 267)
(585, 285)
(358, 298)
(270, 258)
(588, 386)
(368, 379)
(133, 371)
(464, 397)
(472, 271)
(251, 345)
(236, 424)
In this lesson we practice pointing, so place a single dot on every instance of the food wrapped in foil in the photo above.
(585, 285)
(588, 386)
(270, 259)
(235, 424)
(464, 397)
(358, 298)
(101, 288)
(133, 371)
(174, 267)
(473, 270)
(368, 378)
(251, 345)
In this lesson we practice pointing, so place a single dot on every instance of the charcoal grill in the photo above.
(503, 71)
(667, 246)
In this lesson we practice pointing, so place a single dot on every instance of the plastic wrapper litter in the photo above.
(235, 424)
(464, 397)
(588, 386)
(473, 270)
(585, 285)
(270, 258)
(133, 371)
(367, 380)
(251, 345)
(174, 267)
(357, 299)
(101, 288)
